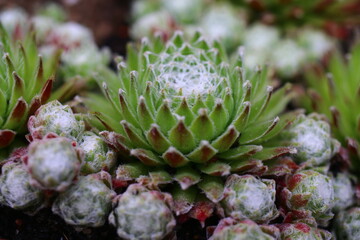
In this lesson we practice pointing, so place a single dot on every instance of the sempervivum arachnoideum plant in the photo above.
(302, 231)
(97, 154)
(87, 203)
(54, 117)
(347, 224)
(230, 229)
(311, 136)
(142, 214)
(181, 105)
(25, 84)
(53, 162)
(343, 192)
(16, 190)
(301, 225)
(249, 197)
(312, 192)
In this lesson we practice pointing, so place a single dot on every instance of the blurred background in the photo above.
(109, 19)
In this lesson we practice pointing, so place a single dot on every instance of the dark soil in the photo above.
(15, 225)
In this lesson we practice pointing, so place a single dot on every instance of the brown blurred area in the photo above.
(108, 19)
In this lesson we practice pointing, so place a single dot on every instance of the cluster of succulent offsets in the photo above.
(181, 131)
(285, 50)
(55, 165)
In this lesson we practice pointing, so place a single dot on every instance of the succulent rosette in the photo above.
(302, 231)
(16, 190)
(142, 214)
(247, 197)
(53, 162)
(180, 104)
(258, 41)
(312, 138)
(70, 35)
(347, 224)
(343, 192)
(185, 11)
(43, 26)
(223, 22)
(229, 229)
(88, 202)
(84, 60)
(25, 84)
(140, 8)
(315, 42)
(311, 191)
(155, 22)
(97, 155)
(54, 117)
(14, 20)
(287, 58)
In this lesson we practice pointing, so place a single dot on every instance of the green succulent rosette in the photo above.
(229, 229)
(87, 203)
(310, 192)
(16, 190)
(343, 192)
(53, 162)
(25, 83)
(247, 197)
(311, 135)
(183, 105)
(347, 224)
(302, 231)
(56, 118)
(97, 155)
(142, 214)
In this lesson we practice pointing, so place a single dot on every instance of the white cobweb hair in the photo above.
(188, 74)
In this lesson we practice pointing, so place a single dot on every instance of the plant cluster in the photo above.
(182, 129)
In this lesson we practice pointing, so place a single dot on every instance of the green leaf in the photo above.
(157, 140)
(185, 111)
(240, 152)
(175, 158)
(215, 168)
(213, 187)
(181, 137)
(257, 130)
(219, 117)
(135, 137)
(203, 153)
(183, 199)
(226, 140)
(186, 177)
(146, 156)
(145, 117)
(165, 118)
(202, 127)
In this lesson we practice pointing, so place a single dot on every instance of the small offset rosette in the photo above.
(142, 214)
(54, 117)
(88, 202)
(229, 229)
(53, 162)
(248, 197)
(308, 190)
(16, 190)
